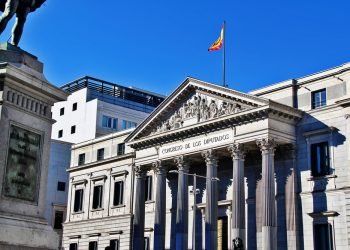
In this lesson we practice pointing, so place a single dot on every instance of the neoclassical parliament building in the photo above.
(214, 168)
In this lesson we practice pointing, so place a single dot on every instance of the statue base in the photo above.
(26, 98)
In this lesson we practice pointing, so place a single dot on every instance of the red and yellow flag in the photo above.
(218, 43)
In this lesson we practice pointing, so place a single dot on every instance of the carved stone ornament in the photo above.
(181, 164)
(236, 150)
(266, 144)
(158, 168)
(202, 108)
(210, 157)
(139, 171)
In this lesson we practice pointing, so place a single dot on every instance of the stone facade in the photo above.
(212, 168)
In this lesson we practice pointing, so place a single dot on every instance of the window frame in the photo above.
(55, 221)
(81, 200)
(148, 188)
(59, 186)
(109, 122)
(62, 111)
(100, 156)
(73, 129)
(120, 149)
(117, 244)
(60, 133)
(329, 240)
(315, 104)
(93, 245)
(73, 244)
(81, 159)
(75, 106)
(122, 192)
(320, 160)
(99, 199)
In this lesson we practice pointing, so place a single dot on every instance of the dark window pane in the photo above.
(146, 239)
(93, 245)
(75, 106)
(62, 111)
(115, 123)
(318, 98)
(72, 129)
(78, 201)
(100, 154)
(97, 199)
(61, 186)
(320, 159)
(323, 237)
(60, 133)
(73, 246)
(121, 149)
(148, 188)
(118, 193)
(58, 220)
(81, 160)
(114, 245)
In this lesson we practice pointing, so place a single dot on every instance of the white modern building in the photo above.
(272, 171)
(57, 186)
(96, 107)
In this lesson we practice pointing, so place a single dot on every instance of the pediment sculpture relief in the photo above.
(197, 109)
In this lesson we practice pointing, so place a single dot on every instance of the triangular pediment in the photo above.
(195, 102)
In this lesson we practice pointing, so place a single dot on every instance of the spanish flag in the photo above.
(218, 43)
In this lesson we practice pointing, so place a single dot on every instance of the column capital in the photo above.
(158, 168)
(210, 157)
(139, 171)
(181, 163)
(237, 151)
(266, 145)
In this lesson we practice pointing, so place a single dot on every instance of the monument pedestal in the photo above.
(26, 98)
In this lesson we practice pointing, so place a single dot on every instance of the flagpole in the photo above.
(224, 57)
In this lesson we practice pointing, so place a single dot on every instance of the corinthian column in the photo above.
(182, 205)
(267, 148)
(159, 220)
(238, 202)
(211, 211)
(139, 213)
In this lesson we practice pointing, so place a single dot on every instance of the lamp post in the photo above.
(194, 201)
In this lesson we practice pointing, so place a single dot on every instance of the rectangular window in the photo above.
(73, 246)
(118, 193)
(81, 159)
(100, 154)
(109, 122)
(148, 188)
(121, 149)
(58, 220)
(146, 243)
(61, 186)
(97, 198)
(72, 129)
(61, 111)
(93, 245)
(60, 133)
(319, 159)
(323, 238)
(114, 245)
(75, 106)
(128, 124)
(318, 98)
(78, 200)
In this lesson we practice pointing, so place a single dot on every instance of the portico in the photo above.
(217, 132)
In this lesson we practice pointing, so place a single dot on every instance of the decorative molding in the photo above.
(323, 214)
(77, 182)
(319, 131)
(123, 172)
(181, 163)
(210, 157)
(158, 168)
(201, 108)
(266, 144)
(115, 232)
(139, 172)
(237, 151)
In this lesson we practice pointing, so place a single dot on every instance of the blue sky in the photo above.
(154, 45)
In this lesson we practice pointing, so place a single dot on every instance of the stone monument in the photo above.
(26, 98)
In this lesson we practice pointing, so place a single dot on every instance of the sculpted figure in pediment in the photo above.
(213, 109)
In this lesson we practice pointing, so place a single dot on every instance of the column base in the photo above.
(268, 240)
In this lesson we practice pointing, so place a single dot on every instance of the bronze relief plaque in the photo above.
(23, 165)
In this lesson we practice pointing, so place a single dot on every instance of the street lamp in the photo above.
(194, 200)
